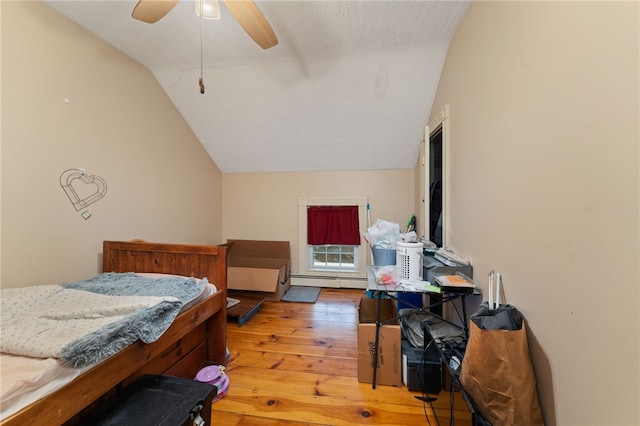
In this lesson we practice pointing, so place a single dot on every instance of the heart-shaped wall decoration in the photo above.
(82, 189)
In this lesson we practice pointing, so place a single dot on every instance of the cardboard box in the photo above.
(389, 349)
(262, 267)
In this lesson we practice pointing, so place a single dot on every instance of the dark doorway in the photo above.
(435, 186)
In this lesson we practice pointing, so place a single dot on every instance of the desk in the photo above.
(450, 339)
(379, 290)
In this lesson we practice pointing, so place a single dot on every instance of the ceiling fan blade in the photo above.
(253, 21)
(151, 11)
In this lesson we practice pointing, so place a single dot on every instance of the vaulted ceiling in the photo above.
(348, 87)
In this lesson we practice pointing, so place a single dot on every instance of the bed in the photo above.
(195, 338)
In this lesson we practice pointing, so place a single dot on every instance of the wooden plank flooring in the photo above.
(296, 364)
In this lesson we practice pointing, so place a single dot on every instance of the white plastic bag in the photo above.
(383, 234)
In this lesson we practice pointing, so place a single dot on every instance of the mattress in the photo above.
(24, 380)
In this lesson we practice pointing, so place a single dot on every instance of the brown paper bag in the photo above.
(497, 373)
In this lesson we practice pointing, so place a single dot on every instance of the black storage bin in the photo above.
(423, 368)
(158, 401)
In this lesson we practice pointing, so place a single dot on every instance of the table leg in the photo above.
(375, 350)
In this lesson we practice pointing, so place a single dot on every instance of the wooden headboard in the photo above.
(189, 260)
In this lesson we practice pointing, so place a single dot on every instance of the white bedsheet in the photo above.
(24, 380)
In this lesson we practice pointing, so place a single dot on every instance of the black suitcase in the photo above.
(158, 401)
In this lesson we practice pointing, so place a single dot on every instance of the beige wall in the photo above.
(545, 183)
(545, 126)
(118, 124)
(264, 206)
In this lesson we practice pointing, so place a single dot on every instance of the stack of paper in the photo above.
(457, 283)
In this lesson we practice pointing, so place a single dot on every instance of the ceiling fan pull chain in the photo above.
(201, 81)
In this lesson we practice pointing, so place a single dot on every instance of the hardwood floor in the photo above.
(296, 364)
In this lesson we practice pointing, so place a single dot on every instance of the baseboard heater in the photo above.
(328, 277)
(329, 281)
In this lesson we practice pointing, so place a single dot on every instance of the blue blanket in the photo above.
(129, 284)
(146, 325)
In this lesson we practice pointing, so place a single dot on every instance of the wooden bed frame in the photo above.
(196, 338)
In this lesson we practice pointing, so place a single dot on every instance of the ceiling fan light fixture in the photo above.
(208, 9)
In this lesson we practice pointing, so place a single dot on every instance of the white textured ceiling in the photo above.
(348, 87)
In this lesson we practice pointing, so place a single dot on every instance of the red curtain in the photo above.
(336, 225)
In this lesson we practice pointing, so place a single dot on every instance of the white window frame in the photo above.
(303, 252)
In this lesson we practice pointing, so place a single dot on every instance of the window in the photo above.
(333, 258)
(336, 258)
(333, 236)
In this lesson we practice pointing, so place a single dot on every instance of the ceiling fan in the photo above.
(246, 13)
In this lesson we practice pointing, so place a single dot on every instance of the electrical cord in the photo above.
(425, 398)
(451, 403)
(452, 351)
